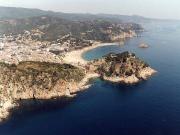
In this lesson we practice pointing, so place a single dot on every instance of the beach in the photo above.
(75, 57)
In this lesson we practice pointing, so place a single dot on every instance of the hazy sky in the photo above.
(169, 9)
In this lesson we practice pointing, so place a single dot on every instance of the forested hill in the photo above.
(15, 13)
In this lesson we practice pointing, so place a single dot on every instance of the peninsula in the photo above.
(41, 58)
(42, 80)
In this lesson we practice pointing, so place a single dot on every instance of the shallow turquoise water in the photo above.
(149, 108)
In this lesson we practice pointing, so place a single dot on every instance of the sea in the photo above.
(151, 107)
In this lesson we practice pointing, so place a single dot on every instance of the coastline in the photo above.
(83, 85)
(70, 57)
(144, 75)
(12, 106)
(75, 57)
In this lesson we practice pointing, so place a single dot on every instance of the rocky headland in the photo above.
(122, 68)
(36, 80)
(41, 58)
(39, 81)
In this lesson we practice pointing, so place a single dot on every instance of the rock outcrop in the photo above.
(124, 67)
(45, 81)
(143, 45)
(36, 80)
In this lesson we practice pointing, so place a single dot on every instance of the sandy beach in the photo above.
(75, 57)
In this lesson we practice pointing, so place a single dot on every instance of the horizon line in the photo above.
(130, 15)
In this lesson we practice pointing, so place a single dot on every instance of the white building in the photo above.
(1, 46)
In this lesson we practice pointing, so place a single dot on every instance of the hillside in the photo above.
(36, 80)
(124, 67)
(19, 13)
(29, 39)
(54, 27)
(15, 13)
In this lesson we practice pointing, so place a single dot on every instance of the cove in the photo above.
(148, 108)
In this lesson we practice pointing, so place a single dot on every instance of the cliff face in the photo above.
(35, 80)
(44, 81)
(124, 67)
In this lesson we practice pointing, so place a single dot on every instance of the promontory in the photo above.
(41, 56)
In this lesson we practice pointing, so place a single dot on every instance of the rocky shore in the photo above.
(38, 81)
(46, 81)
(144, 74)
(42, 61)
(118, 68)
(124, 67)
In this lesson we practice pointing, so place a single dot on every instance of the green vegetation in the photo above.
(123, 65)
(56, 27)
(54, 70)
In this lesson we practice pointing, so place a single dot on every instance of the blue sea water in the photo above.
(149, 108)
